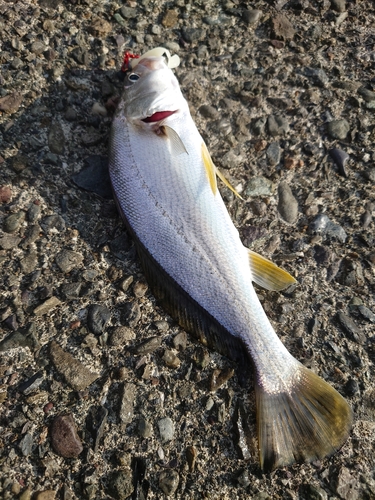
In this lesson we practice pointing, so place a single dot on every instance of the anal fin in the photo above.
(267, 274)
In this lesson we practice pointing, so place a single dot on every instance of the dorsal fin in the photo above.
(267, 274)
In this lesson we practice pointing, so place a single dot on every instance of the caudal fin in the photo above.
(310, 421)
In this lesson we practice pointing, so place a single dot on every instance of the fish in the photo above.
(165, 186)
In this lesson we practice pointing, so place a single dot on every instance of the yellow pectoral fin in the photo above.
(227, 183)
(267, 274)
(209, 167)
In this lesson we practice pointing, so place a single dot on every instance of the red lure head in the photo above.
(127, 58)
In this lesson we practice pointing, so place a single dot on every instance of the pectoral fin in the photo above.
(210, 167)
(177, 146)
(267, 274)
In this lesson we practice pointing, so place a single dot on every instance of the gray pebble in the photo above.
(127, 403)
(13, 222)
(128, 12)
(97, 318)
(312, 492)
(147, 346)
(166, 429)
(338, 5)
(71, 290)
(366, 218)
(346, 485)
(168, 481)
(140, 289)
(368, 95)
(369, 174)
(64, 438)
(75, 373)
(54, 221)
(287, 205)
(277, 125)
(125, 284)
(170, 359)
(273, 153)
(95, 422)
(340, 157)
(324, 226)
(120, 484)
(67, 260)
(17, 339)
(47, 306)
(317, 76)
(121, 335)
(180, 341)
(282, 27)
(208, 111)
(9, 241)
(144, 428)
(350, 328)
(366, 313)
(251, 16)
(259, 186)
(56, 139)
(26, 444)
(31, 235)
(131, 314)
(338, 129)
(29, 262)
(32, 384)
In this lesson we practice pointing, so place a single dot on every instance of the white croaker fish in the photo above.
(165, 185)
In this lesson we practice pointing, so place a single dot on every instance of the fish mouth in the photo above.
(158, 116)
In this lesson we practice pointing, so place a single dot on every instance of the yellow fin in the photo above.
(307, 421)
(227, 183)
(210, 167)
(267, 274)
(177, 146)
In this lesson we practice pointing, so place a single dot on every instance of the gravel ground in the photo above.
(102, 395)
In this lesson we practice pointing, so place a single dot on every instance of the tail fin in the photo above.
(308, 422)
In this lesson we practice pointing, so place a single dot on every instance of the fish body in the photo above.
(165, 186)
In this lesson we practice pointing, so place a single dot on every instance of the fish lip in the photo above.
(158, 116)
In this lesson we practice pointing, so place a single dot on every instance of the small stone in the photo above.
(219, 377)
(166, 429)
(38, 47)
(251, 16)
(259, 186)
(273, 153)
(366, 313)
(67, 260)
(168, 481)
(282, 27)
(19, 163)
(312, 492)
(180, 341)
(131, 314)
(277, 125)
(45, 495)
(144, 428)
(368, 95)
(70, 114)
(26, 494)
(71, 290)
(95, 177)
(5, 194)
(351, 387)
(318, 76)
(53, 223)
(170, 19)
(120, 484)
(33, 213)
(64, 438)
(140, 289)
(125, 284)
(13, 222)
(201, 358)
(97, 318)
(369, 174)
(338, 129)
(29, 262)
(75, 373)
(128, 12)
(95, 422)
(9, 241)
(350, 328)
(147, 346)
(346, 485)
(191, 457)
(56, 139)
(340, 158)
(11, 102)
(324, 226)
(31, 235)
(338, 5)
(287, 205)
(127, 403)
(26, 444)
(100, 27)
(170, 359)
(47, 306)
(208, 111)
(121, 336)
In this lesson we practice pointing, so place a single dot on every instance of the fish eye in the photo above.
(133, 77)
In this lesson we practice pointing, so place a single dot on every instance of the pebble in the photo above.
(147, 346)
(47, 306)
(312, 492)
(64, 438)
(67, 260)
(26, 494)
(340, 158)
(170, 18)
(259, 186)
(338, 5)
(180, 341)
(220, 377)
(31, 384)
(31, 235)
(121, 336)
(9, 241)
(277, 125)
(252, 16)
(346, 485)
(168, 481)
(201, 357)
(29, 262)
(5, 194)
(11, 102)
(127, 403)
(350, 328)
(273, 153)
(318, 76)
(95, 423)
(75, 373)
(366, 313)
(324, 226)
(19, 163)
(368, 95)
(131, 314)
(166, 429)
(13, 222)
(97, 318)
(53, 222)
(26, 444)
(191, 457)
(33, 213)
(140, 289)
(71, 290)
(144, 428)
(170, 359)
(45, 495)
(94, 177)
(351, 387)
(120, 484)
(287, 205)
(56, 139)
(208, 111)
(338, 129)
(282, 27)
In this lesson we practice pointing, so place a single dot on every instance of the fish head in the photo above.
(151, 93)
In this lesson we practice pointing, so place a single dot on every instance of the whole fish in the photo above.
(165, 185)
